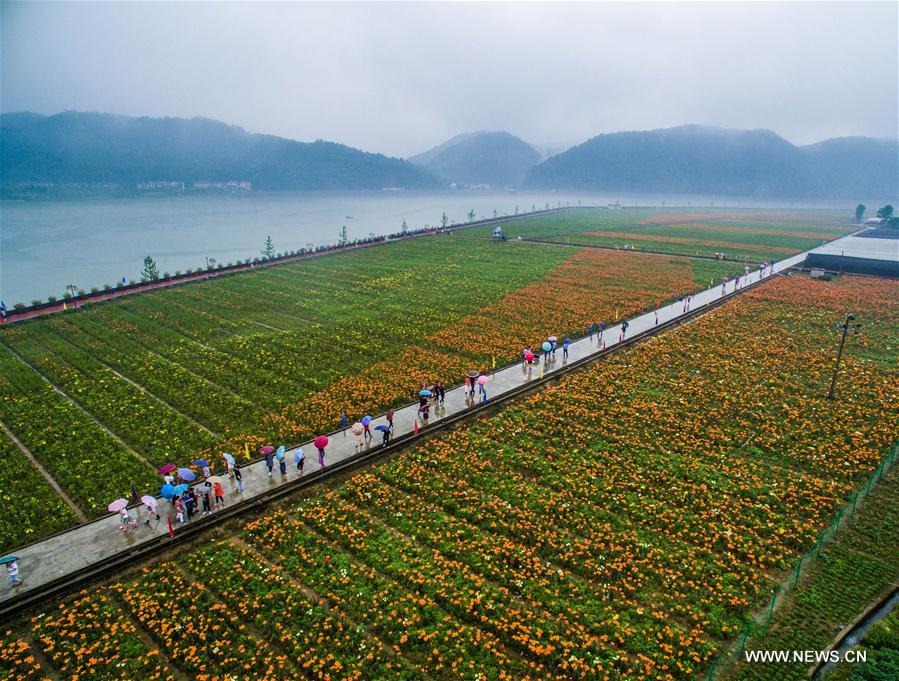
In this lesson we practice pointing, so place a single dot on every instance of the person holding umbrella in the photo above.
(358, 429)
(385, 430)
(282, 460)
(12, 570)
(203, 490)
(268, 452)
(565, 343)
(423, 412)
(238, 477)
(366, 424)
(229, 462)
(390, 413)
(299, 458)
(150, 504)
(471, 378)
(320, 443)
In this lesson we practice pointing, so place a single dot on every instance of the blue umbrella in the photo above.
(425, 393)
(168, 491)
(200, 462)
(186, 474)
(382, 428)
(566, 341)
(546, 347)
(366, 420)
(180, 489)
(280, 453)
(8, 559)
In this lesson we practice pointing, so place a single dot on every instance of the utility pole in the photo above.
(846, 327)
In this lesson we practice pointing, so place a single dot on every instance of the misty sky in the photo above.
(399, 78)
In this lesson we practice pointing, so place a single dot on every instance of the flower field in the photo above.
(624, 523)
(757, 235)
(105, 396)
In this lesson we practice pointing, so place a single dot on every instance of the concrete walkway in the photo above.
(96, 541)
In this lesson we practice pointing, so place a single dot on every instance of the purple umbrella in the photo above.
(186, 474)
(198, 462)
(268, 449)
(366, 420)
(117, 505)
(382, 428)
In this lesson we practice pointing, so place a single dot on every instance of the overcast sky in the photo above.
(399, 78)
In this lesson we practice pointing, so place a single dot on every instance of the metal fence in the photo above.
(759, 624)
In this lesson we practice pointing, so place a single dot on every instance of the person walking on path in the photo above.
(238, 477)
(219, 494)
(624, 326)
(565, 344)
(321, 456)
(366, 425)
(602, 327)
(12, 571)
(206, 472)
(299, 458)
(423, 412)
(390, 413)
(441, 392)
(386, 433)
(204, 499)
(179, 509)
(128, 523)
(723, 285)
(168, 479)
(282, 460)
(343, 419)
(229, 462)
(269, 462)
(358, 429)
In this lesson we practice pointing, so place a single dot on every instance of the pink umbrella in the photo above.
(149, 502)
(482, 380)
(117, 505)
(268, 449)
(321, 442)
(529, 356)
(167, 469)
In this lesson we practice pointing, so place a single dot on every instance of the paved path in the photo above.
(93, 542)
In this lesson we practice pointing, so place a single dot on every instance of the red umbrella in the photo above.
(321, 442)
(268, 449)
(472, 373)
(168, 468)
(390, 413)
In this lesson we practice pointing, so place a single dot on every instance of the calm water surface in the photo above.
(45, 245)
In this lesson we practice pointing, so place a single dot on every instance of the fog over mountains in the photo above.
(74, 147)
(696, 159)
(495, 158)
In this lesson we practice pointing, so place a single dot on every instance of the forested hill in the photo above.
(495, 158)
(75, 147)
(703, 160)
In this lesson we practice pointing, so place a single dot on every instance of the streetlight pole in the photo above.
(846, 327)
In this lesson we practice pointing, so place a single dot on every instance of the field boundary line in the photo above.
(78, 406)
(45, 473)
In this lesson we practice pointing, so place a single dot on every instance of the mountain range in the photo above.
(74, 147)
(696, 159)
(94, 148)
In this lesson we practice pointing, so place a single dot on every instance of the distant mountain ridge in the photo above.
(477, 158)
(695, 159)
(75, 147)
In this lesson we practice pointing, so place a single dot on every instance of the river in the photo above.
(45, 245)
